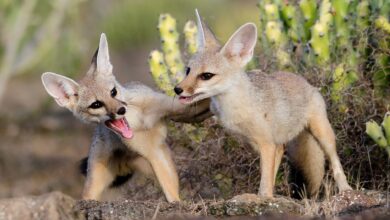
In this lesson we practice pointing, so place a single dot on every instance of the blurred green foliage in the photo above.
(133, 23)
(50, 34)
(30, 32)
(344, 40)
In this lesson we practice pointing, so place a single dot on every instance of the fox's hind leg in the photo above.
(321, 129)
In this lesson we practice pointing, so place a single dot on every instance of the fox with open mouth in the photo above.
(131, 130)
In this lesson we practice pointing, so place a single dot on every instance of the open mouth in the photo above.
(187, 99)
(121, 127)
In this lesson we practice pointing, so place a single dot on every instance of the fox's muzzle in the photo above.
(120, 111)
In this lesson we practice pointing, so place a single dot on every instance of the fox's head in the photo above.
(214, 68)
(98, 97)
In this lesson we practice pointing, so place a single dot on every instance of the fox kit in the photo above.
(131, 131)
(270, 110)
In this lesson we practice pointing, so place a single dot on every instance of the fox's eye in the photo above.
(188, 70)
(113, 92)
(206, 76)
(96, 104)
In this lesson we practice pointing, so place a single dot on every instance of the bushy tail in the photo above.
(307, 156)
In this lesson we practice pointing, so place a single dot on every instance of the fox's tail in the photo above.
(307, 156)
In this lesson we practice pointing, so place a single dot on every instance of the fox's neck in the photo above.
(236, 95)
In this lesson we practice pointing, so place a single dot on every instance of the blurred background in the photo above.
(41, 144)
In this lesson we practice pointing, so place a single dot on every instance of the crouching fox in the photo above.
(130, 134)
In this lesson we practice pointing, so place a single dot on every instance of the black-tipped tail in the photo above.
(297, 182)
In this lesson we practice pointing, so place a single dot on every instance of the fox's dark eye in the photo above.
(206, 76)
(188, 70)
(113, 92)
(96, 104)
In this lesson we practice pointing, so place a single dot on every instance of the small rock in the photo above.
(51, 206)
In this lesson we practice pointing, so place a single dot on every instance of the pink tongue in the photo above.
(123, 128)
(184, 100)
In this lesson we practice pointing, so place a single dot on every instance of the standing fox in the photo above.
(269, 110)
(131, 132)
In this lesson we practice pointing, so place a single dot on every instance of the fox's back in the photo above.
(286, 87)
(285, 101)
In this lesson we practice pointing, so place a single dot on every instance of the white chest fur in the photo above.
(235, 109)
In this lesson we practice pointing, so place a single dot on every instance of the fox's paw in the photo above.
(345, 187)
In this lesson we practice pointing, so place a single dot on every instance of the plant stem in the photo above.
(12, 40)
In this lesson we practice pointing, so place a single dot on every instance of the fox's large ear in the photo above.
(241, 44)
(206, 38)
(103, 64)
(61, 88)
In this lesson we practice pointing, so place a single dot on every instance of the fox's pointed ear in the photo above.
(241, 44)
(103, 64)
(61, 88)
(93, 66)
(206, 38)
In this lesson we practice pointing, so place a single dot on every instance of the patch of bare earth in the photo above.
(244, 206)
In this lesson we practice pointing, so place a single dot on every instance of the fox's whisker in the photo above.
(173, 101)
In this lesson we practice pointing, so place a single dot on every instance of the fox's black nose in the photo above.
(121, 111)
(178, 90)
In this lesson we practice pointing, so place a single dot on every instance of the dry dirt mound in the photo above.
(352, 204)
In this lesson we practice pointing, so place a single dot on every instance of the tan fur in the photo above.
(146, 110)
(141, 164)
(268, 109)
(99, 178)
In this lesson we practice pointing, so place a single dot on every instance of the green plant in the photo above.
(343, 39)
(167, 67)
(380, 133)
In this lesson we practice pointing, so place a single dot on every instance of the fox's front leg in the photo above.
(267, 152)
(99, 174)
(98, 178)
(279, 151)
(165, 171)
